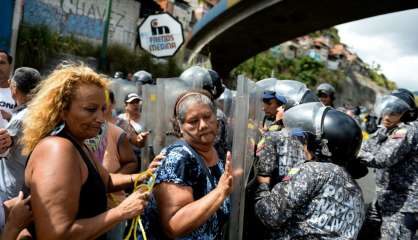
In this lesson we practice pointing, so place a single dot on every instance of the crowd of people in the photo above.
(71, 161)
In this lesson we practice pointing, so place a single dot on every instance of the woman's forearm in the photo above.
(9, 232)
(194, 214)
(128, 168)
(118, 182)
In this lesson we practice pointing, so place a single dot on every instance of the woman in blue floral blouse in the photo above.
(193, 184)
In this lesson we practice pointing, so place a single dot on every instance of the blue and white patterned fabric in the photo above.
(181, 167)
(2, 215)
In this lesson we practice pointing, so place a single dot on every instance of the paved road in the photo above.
(368, 186)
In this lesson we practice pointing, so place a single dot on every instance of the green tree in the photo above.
(259, 67)
(307, 70)
(37, 45)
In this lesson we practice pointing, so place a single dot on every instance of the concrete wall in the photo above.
(85, 18)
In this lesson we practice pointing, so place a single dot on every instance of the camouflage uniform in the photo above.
(394, 154)
(269, 126)
(279, 153)
(316, 200)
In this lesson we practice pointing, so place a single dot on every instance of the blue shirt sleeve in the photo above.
(178, 167)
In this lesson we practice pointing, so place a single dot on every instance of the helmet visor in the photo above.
(390, 105)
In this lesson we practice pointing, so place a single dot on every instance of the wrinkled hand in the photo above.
(5, 115)
(133, 205)
(156, 162)
(141, 138)
(20, 215)
(225, 182)
(5, 140)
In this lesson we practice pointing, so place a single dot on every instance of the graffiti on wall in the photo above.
(85, 18)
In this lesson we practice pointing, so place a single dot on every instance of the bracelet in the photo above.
(132, 181)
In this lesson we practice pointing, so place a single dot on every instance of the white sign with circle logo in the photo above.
(161, 35)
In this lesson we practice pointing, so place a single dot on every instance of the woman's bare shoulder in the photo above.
(53, 148)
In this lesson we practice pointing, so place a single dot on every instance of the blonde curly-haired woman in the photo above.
(67, 186)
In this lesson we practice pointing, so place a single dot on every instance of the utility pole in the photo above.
(103, 49)
(17, 16)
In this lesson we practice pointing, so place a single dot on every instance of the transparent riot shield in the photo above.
(225, 103)
(121, 88)
(140, 88)
(246, 120)
(115, 85)
(168, 90)
(148, 118)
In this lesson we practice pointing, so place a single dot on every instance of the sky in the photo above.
(390, 40)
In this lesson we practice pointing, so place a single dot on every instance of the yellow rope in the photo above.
(146, 188)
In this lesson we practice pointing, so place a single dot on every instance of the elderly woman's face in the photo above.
(200, 124)
(86, 112)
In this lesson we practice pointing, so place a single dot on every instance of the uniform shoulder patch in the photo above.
(399, 134)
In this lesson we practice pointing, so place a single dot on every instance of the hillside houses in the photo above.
(323, 49)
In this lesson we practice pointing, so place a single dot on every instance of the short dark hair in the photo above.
(26, 79)
(9, 57)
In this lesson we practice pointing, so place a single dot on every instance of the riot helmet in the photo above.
(268, 85)
(326, 88)
(400, 101)
(143, 77)
(333, 135)
(326, 94)
(207, 79)
(295, 92)
(409, 98)
(119, 75)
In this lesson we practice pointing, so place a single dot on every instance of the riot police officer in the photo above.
(318, 198)
(392, 150)
(277, 152)
(280, 152)
(326, 93)
(201, 78)
(272, 101)
(273, 107)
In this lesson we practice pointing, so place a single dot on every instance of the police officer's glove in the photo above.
(357, 168)
(262, 191)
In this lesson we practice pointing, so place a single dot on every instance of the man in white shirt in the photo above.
(131, 123)
(132, 112)
(7, 104)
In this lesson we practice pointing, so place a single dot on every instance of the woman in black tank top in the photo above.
(68, 189)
